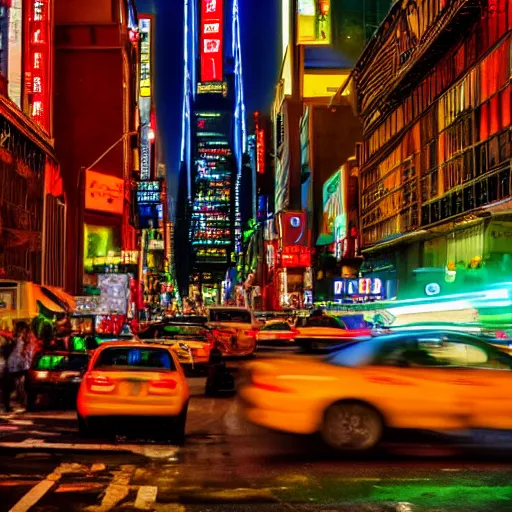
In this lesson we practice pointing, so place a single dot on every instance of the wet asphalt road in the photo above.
(227, 465)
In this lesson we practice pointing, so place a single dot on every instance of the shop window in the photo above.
(446, 207)
(504, 184)
(468, 167)
(505, 107)
(483, 121)
(494, 115)
(469, 198)
(434, 184)
(425, 215)
(494, 152)
(505, 145)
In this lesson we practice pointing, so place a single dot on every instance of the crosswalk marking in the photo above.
(151, 451)
(38, 491)
(117, 490)
(146, 497)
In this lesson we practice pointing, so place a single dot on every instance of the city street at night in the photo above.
(255, 255)
(227, 465)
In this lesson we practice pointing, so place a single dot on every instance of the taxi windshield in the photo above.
(140, 358)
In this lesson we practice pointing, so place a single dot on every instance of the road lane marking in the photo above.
(38, 491)
(150, 451)
(117, 490)
(146, 497)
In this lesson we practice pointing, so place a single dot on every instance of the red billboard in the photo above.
(293, 228)
(37, 61)
(211, 40)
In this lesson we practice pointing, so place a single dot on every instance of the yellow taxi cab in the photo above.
(320, 332)
(130, 380)
(416, 380)
(192, 343)
(241, 325)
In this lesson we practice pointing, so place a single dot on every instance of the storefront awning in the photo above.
(324, 239)
(39, 298)
(62, 298)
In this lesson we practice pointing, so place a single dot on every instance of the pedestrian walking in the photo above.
(17, 365)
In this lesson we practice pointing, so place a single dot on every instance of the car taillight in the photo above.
(270, 387)
(41, 375)
(99, 384)
(162, 386)
(252, 333)
(501, 335)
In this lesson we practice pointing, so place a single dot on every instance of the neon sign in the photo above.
(211, 40)
(145, 57)
(38, 62)
(212, 88)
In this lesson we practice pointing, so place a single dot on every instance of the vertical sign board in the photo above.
(37, 62)
(14, 69)
(211, 40)
(4, 35)
(145, 97)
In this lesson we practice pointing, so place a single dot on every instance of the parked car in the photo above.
(237, 329)
(57, 375)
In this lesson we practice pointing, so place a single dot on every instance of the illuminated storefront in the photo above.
(435, 168)
(289, 280)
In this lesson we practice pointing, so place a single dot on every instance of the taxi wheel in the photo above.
(352, 426)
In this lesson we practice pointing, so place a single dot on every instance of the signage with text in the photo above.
(104, 193)
(211, 40)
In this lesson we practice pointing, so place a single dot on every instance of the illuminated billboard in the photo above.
(104, 193)
(15, 45)
(145, 26)
(213, 88)
(37, 62)
(145, 57)
(211, 40)
(334, 208)
(313, 21)
(148, 192)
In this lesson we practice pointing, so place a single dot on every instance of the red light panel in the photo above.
(37, 62)
(211, 40)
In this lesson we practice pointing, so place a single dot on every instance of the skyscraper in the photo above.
(208, 227)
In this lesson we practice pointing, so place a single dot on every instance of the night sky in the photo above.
(260, 23)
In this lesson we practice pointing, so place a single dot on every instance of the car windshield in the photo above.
(355, 322)
(230, 316)
(60, 362)
(185, 332)
(355, 354)
(126, 358)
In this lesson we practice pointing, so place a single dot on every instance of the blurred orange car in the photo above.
(127, 380)
(414, 380)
